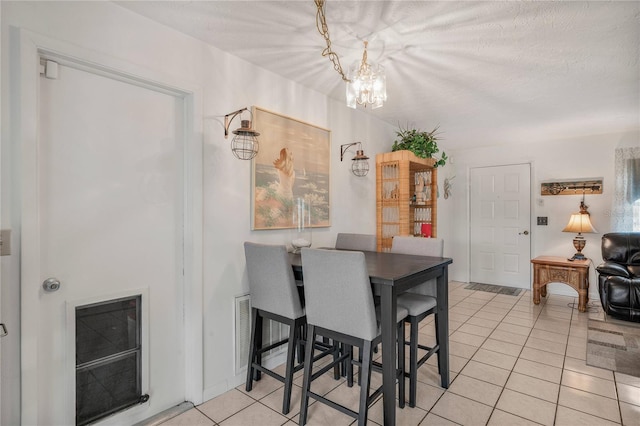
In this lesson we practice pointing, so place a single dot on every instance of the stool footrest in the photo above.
(430, 351)
(272, 346)
(329, 366)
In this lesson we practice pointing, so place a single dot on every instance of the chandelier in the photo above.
(366, 81)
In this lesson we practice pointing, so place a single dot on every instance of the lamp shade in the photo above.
(580, 223)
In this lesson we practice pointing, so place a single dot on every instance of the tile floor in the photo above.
(512, 363)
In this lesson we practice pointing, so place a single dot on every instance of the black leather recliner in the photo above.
(619, 275)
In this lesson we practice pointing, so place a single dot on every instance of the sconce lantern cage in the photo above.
(360, 164)
(244, 144)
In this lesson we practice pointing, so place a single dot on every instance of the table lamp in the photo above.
(580, 223)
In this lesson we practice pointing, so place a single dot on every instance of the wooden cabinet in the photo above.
(406, 196)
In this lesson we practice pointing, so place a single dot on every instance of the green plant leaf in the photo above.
(422, 144)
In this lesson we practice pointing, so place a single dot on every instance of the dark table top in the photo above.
(393, 268)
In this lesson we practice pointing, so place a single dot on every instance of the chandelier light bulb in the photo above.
(367, 83)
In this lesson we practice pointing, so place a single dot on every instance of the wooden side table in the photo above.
(549, 269)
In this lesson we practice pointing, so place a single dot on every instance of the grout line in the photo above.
(526, 295)
(517, 358)
(493, 408)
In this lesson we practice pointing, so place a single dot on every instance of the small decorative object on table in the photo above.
(301, 225)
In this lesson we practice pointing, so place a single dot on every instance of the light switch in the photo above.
(5, 242)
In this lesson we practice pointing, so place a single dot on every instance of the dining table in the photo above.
(392, 274)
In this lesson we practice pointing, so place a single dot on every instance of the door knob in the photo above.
(51, 284)
(525, 233)
(3, 330)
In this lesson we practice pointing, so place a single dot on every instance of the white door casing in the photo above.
(127, 219)
(500, 200)
(1, 224)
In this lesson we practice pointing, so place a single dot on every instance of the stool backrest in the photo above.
(271, 282)
(421, 247)
(361, 242)
(338, 293)
(417, 245)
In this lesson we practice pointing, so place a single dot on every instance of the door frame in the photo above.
(531, 208)
(27, 47)
(1, 226)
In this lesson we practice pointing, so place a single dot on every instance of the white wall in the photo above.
(584, 157)
(227, 84)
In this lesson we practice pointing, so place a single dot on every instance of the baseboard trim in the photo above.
(166, 415)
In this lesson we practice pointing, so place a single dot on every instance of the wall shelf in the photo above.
(572, 187)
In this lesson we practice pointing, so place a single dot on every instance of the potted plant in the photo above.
(422, 144)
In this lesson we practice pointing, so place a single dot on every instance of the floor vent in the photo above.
(273, 331)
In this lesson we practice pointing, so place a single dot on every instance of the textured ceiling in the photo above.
(485, 72)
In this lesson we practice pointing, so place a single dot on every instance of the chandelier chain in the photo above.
(364, 65)
(323, 29)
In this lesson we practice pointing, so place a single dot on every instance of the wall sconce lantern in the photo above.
(360, 165)
(245, 144)
(580, 223)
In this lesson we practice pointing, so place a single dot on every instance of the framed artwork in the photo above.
(293, 163)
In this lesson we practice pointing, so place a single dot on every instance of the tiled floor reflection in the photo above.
(511, 363)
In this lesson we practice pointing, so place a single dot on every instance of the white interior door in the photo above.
(109, 218)
(500, 219)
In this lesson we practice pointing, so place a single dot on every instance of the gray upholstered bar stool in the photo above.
(274, 295)
(420, 302)
(339, 305)
(361, 242)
